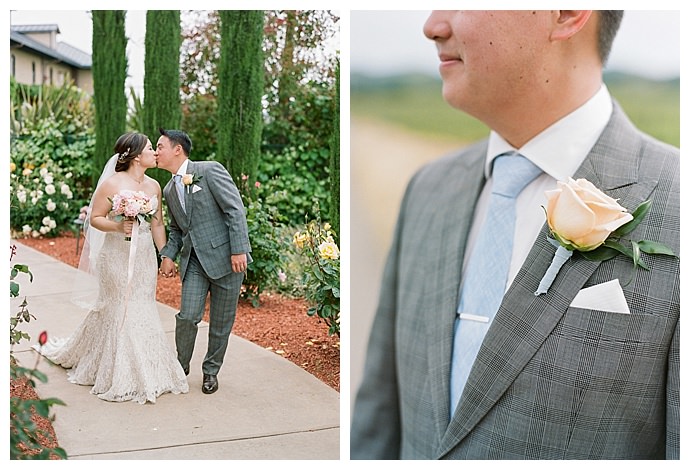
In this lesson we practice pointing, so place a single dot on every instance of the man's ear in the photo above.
(568, 23)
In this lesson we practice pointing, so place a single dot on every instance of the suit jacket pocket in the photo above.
(601, 326)
(219, 241)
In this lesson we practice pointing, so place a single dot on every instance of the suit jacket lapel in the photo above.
(442, 275)
(173, 200)
(524, 320)
(188, 193)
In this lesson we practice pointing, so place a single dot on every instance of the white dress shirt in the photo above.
(182, 170)
(559, 151)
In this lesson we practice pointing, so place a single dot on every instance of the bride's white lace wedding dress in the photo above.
(120, 347)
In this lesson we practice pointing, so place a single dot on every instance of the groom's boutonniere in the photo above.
(582, 218)
(190, 179)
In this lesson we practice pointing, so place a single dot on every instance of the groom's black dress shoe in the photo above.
(210, 384)
(186, 371)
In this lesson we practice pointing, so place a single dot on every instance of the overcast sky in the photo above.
(384, 42)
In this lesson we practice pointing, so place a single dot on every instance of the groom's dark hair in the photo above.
(178, 137)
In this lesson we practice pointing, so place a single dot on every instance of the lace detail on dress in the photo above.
(120, 347)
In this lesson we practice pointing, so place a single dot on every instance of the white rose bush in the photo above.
(582, 218)
(41, 200)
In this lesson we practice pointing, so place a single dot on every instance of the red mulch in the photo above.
(21, 388)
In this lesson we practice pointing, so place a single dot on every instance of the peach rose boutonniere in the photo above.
(582, 218)
(189, 179)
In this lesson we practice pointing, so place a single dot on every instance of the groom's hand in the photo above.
(167, 268)
(239, 263)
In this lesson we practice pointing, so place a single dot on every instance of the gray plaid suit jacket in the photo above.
(214, 224)
(550, 381)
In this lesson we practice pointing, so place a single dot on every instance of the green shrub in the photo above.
(51, 152)
(321, 272)
(25, 436)
(269, 246)
(296, 178)
(42, 201)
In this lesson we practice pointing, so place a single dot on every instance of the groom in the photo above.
(562, 375)
(208, 230)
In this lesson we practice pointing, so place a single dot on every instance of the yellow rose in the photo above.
(187, 179)
(13, 167)
(298, 239)
(328, 250)
(581, 216)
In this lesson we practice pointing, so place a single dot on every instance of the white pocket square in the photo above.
(195, 188)
(607, 297)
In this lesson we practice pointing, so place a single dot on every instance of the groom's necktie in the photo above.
(180, 189)
(486, 274)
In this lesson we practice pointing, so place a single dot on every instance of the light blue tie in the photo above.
(487, 272)
(180, 189)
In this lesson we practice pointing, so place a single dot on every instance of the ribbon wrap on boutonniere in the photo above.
(582, 218)
(189, 179)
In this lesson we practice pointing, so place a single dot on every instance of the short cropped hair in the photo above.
(178, 137)
(609, 22)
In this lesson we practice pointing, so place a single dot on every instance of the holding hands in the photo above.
(167, 268)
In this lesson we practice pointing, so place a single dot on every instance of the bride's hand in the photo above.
(167, 268)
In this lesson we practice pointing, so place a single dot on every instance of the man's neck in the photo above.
(541, 110)
(180, 165)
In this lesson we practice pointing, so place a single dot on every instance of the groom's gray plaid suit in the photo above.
(211, 228)
(550, 381)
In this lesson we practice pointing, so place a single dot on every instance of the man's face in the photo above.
(488, 56)
(164, 153)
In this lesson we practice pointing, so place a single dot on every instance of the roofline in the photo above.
(35, 46)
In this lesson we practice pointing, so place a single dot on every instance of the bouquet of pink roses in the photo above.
(129, 205)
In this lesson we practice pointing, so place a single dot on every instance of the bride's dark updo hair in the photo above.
(127, 147)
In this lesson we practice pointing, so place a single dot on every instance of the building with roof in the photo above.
(38, 58)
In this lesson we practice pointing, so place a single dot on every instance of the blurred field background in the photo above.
(398, 123)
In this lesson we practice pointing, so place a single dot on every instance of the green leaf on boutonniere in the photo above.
(654, 248)
(603, 253)
(636, 255)
(611, 248)
(638, 214)
(632, 253)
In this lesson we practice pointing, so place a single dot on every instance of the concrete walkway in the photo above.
(266, 407)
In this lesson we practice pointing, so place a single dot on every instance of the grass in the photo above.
(415, 103)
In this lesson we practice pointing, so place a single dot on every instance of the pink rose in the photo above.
(581, 216)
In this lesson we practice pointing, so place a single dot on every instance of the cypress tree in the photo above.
(240, 87)
(334, 147)
(109, 67)
(162, 77)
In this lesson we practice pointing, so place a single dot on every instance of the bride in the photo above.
(120, 347)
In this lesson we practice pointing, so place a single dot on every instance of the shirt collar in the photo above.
(182, 170)
(560, 149)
